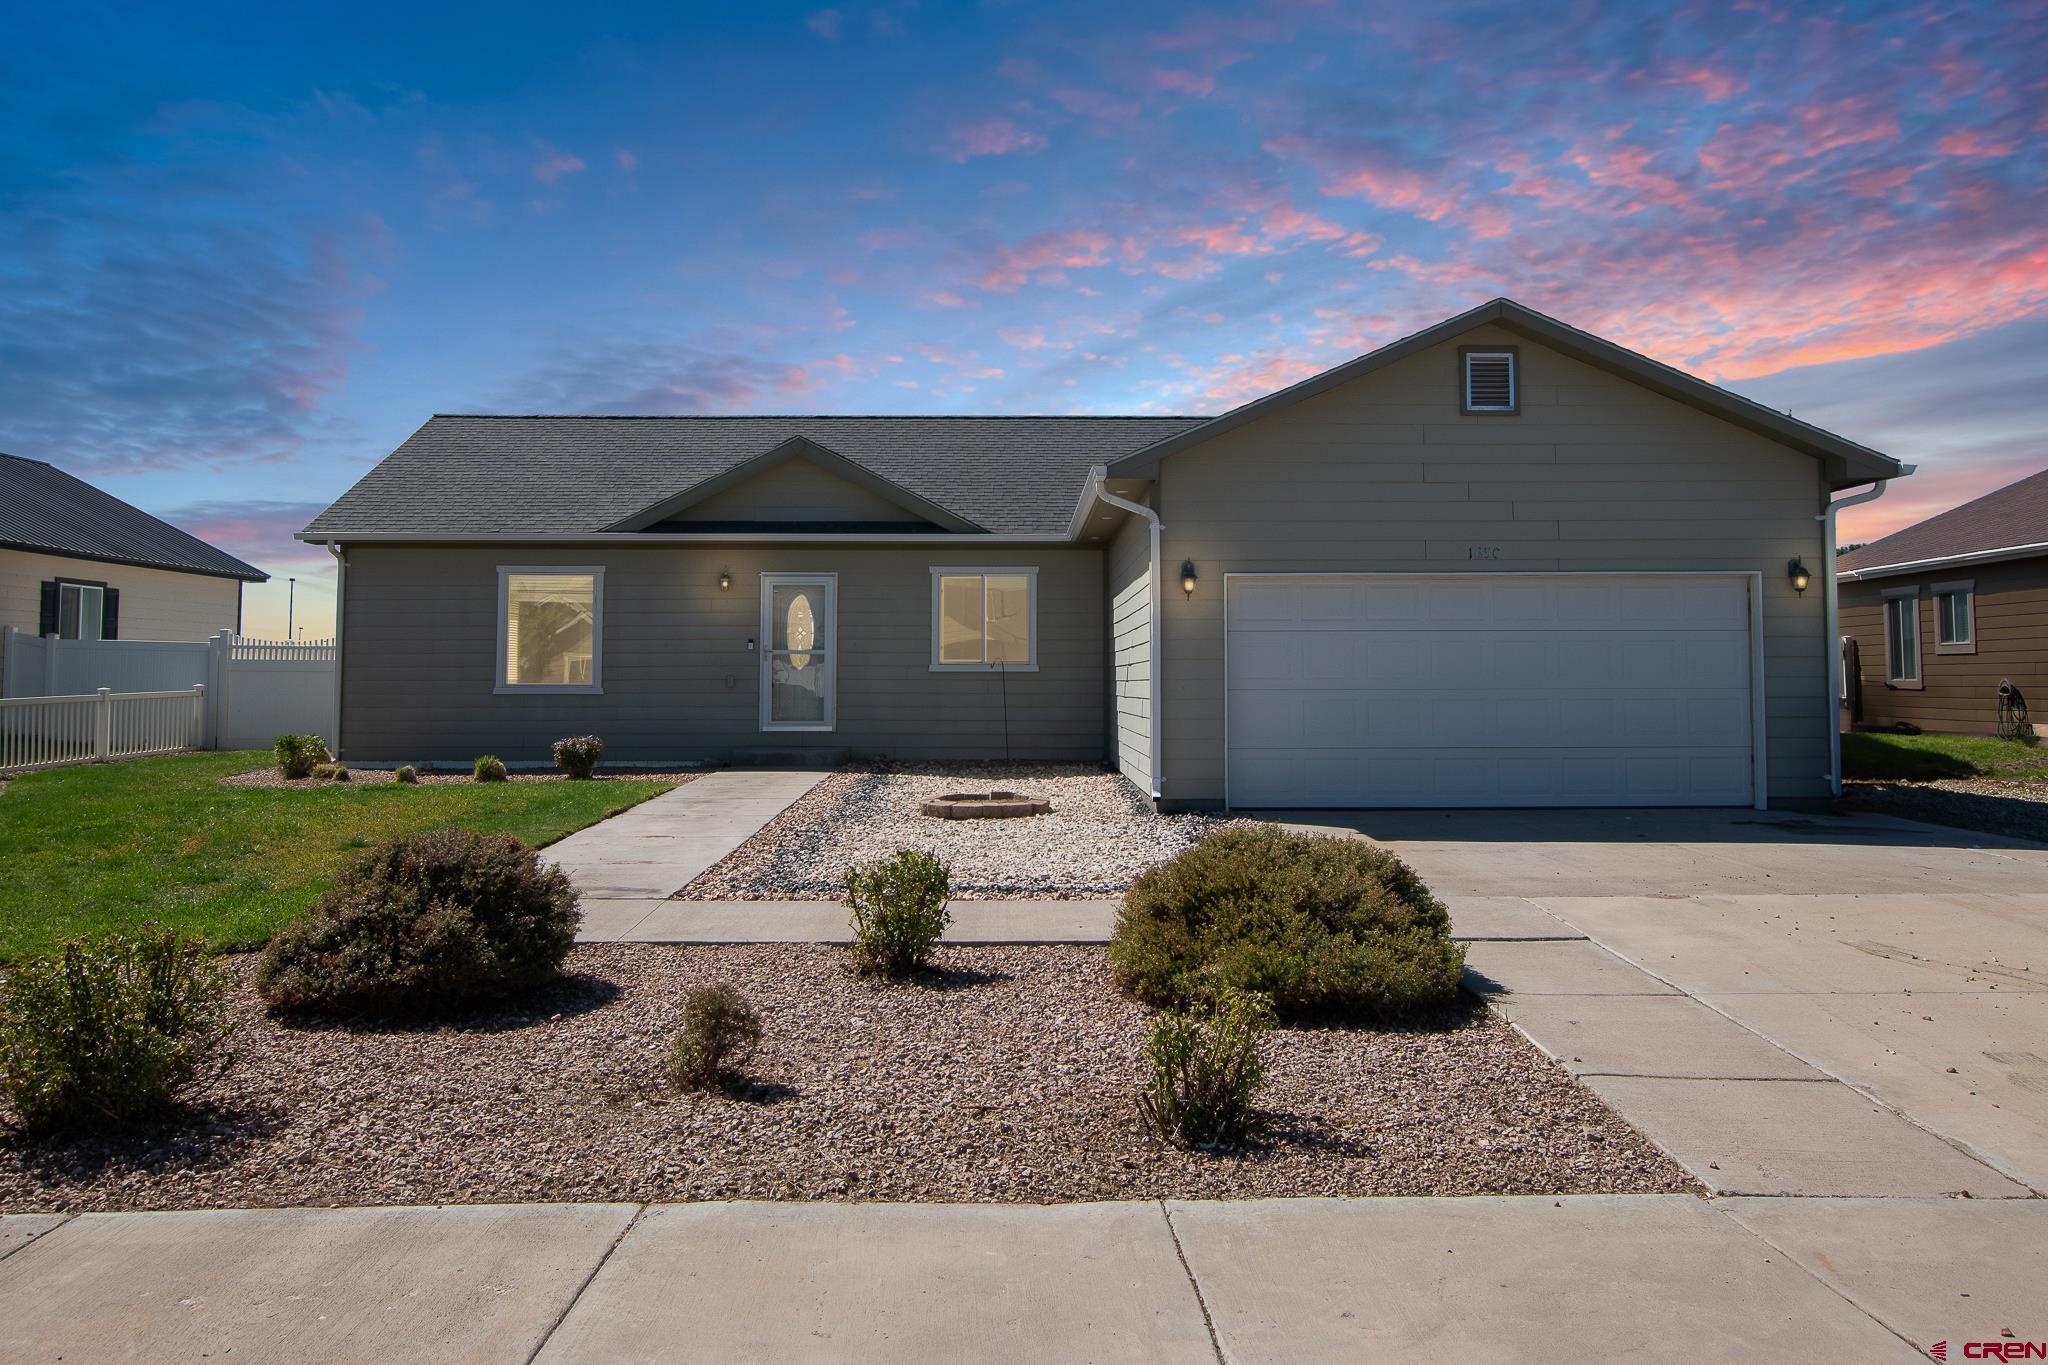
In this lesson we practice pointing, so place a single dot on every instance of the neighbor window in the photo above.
(81, 608)
(982, 618)
(1487, 380)
(1955, 618)
(550, 628)
(1902, 638)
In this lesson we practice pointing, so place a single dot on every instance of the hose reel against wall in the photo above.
(2012, 712)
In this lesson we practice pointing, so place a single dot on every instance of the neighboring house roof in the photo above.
(1848, 463)
(505, 476)
(47, 511)
(2010, 523)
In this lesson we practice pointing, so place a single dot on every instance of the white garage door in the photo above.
(1479, 690)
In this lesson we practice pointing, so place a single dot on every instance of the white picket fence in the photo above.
(252, 690)
(50, 732)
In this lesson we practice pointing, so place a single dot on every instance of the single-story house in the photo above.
(81, 564)
(1501, 562)
(1949, 617)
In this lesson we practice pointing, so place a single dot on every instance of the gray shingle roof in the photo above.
(44, 509)
(463, 475)
(2016, 514)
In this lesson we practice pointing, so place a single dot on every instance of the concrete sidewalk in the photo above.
(660, 846)
(1659, 1278)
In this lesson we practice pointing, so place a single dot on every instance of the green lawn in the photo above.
(1920, 758)
(107, 845)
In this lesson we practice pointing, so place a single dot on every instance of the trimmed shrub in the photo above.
(330, 772)
(720, 1031)
(1206, 1070)
(296, 754)
(406, 774)
(578, 756)
(1325, 927)
(899, 911)
(423, 924)
(112, 1030)
(489, 768)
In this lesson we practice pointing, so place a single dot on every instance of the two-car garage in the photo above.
(1481, 689)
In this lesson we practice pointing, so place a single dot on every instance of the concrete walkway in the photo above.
(660, 846)
(1658, 1278)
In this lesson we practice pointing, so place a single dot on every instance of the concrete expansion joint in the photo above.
(639, 1211)
(1201, 1299)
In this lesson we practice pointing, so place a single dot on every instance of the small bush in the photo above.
(296, 754)
(425, 923)
(899, 910)
(578, 756)
(1206, 1070)
(489, 768)
(407, 774)
(330, 772)
(720, 1031)
(112, 1030)
(1325, 927)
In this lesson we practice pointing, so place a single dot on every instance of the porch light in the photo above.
(1796, 571)
(1187, 578)
(725, 580)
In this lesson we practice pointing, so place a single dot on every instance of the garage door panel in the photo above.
(1472, 691)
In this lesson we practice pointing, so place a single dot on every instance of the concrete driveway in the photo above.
(1908, 961)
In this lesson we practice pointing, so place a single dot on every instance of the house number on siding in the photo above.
(1482, 552)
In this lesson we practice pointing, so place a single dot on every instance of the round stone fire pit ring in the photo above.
(985, 806)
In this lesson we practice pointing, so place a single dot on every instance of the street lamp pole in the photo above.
(291, 597)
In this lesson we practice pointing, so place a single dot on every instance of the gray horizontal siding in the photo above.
(1130, 625)
(420, 656)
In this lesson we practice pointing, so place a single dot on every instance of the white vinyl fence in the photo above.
(249, 692)
(49, 732)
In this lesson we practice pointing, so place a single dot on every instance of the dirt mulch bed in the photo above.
(1008, 1077)
(2016, 809)
(371, 777)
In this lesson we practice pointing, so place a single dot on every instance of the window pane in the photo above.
(1009, 619)
(960, 619)
(1904, 645)
(795, 615)
(1952, 610)
(796, 689)
(67, 611)
(548, 628)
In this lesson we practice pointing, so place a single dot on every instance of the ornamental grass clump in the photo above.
(406, 775)
(489, 768)
(720, 1032)
(1206, 1071)
(424, 924)
(296, 755)
(899, 911)
(1327, 928)
(578, 756)
(110, 1031)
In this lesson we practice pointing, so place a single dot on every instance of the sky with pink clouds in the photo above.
(244, 251)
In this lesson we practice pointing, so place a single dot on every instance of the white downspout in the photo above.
(340, 607)
(1155, 664)
(1834, 628)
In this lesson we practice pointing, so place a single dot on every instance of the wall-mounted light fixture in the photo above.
(1796, 571)
(725, 580)
(1187, 577)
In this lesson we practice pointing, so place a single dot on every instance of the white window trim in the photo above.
(1030, 574)
(1514, 380)
(98, 615)
(1918, 681)
(593, 688)
(829, 648)
(1967, 588)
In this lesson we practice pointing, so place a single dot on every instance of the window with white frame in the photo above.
(81, 608)
(550, 629)
(985, 618)
(1902, 638)
(1955, 618)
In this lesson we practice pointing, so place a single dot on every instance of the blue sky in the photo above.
(245, 251)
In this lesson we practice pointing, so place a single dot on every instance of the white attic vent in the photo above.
(1490, 381)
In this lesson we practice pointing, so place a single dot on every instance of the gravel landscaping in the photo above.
(2017, 809)
(1100, 835)
(371, 777)
(1008, 1077)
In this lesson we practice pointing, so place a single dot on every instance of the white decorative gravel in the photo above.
(1100, 835)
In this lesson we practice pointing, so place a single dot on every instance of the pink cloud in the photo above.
(994, 137)
(627, 161)
(553, 165)
(1186, 82)
(824, 23)
(1046, 256)
(1973, 145)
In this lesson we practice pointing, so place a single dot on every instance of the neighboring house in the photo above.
(1500, 562)
(1945, 611)
(83, 565)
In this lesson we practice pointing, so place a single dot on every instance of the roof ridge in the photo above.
(831, 416)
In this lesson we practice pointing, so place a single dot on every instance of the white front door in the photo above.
(1378, 690)
(799, 651)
